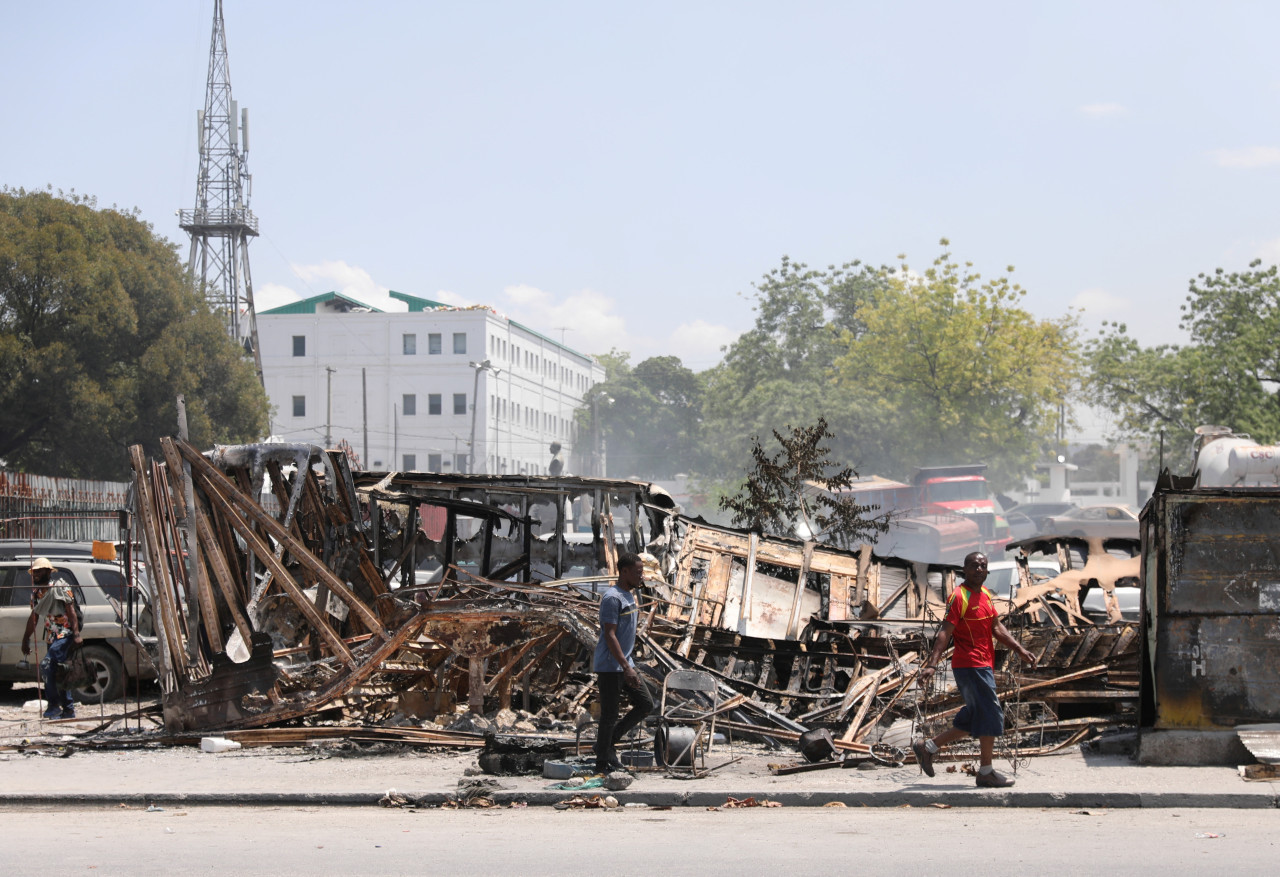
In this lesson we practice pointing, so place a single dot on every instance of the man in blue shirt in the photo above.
(615, 673)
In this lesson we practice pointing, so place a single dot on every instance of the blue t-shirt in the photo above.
(617, 606)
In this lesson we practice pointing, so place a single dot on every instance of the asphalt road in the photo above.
(528, 842)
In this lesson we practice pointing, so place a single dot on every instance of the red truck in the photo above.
(963, 490)
(945, 513)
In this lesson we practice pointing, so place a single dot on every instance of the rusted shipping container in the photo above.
(1211, 615)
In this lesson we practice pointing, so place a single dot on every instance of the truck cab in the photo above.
(963, 490)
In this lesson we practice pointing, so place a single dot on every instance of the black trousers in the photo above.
(610, 730)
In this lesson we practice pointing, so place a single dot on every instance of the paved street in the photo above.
(538, 841)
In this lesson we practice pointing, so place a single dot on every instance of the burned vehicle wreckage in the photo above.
(295, 598)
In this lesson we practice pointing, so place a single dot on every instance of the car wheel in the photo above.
(106, 680)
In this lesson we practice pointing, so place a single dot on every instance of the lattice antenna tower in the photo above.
(222, 223)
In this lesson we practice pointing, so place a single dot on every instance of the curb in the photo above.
(695, 799)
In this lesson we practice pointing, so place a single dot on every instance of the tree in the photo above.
(650, 416)
(783, 369)
(100, 330)
(958, 371)
(1228, 373)
(793, 491)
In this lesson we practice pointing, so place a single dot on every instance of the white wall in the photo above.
(522, 408)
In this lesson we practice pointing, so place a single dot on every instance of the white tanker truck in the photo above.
(1227, 459)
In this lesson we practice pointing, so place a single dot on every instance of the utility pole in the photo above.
(328, 416)
(486, 365)
(364, 403)
(221, 223)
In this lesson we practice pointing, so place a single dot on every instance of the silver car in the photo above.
(108, 647)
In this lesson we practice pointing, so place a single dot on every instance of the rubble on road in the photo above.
(297, 600)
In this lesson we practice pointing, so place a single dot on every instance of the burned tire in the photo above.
(106, 676)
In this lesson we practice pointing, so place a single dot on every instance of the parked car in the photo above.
(1020, 526)
(1038, 512)
(1002, 575)
(111, 653)
(1095, 521)
(1128, 596)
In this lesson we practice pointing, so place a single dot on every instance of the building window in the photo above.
(433, 462)
(459, 403)
(299, 406)
(410, 463)
(460, 463)
(410, 343)
(410, 404)
(433, 403)
(299, 345)
(433, 344)
(459, 342)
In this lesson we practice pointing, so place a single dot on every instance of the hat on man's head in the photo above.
(41, 563)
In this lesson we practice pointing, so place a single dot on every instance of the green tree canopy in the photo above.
(650, 416)
(1227, 375)
(783, 369)
(959, 372)
(99, 332)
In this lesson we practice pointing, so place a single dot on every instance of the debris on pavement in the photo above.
(299, 601)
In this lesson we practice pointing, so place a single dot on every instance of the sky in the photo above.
(620, 175)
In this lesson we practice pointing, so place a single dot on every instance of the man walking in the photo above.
(973, 623)
(53, 599)
(615, 672)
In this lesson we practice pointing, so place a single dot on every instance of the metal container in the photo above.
(1211, 607)
(676, 745)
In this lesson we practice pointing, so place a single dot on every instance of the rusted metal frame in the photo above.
(260, 588)
(214, 478)
(171, 652)
(608, 535)
(280, 575)
(861, 582)
(168, 546)
(203, 610)
(875, 679)
(505, 672)
(223, 576)
(344, 514)
(725, 686)
(526, 526)
(714, 594)
(179, 495)
(897, 594)
(903, 684)
(230, 550)
(744, 611)
(344, 489)
(716, 570)
(1024, 689)
(288, 498)
(367, 665)
(171, 553)
(680, 580)
(806, 560)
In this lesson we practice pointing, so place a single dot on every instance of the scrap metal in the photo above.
(288, 588)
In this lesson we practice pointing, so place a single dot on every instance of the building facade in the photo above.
(429, 389)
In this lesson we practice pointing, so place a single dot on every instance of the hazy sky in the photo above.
(619, 175)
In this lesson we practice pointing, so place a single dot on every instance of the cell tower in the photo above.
(222, 223)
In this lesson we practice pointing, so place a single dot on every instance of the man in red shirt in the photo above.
(973, 623)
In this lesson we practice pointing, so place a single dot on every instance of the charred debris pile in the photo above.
(295, 599)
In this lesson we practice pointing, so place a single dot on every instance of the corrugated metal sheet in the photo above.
(1211, 561)
(42, 507)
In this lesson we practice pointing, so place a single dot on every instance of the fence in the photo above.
(41, 507)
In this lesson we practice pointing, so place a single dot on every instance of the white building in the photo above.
(409, 390)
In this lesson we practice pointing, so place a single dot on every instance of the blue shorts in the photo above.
(981, 715)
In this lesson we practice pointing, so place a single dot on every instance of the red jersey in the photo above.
(974, 617)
